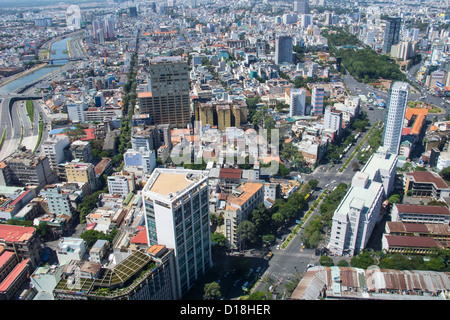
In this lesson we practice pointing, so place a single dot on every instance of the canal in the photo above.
(58, 50)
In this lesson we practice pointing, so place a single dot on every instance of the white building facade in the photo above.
(395, 114)
(177, 216)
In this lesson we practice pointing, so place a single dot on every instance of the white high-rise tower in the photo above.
(177, 216)
(396, 107)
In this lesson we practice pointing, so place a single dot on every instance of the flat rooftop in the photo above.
(166, 182)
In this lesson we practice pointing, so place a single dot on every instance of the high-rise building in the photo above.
(396, 107)
(317, 96)
(359, 211)
(301, 6)
(177, 216)
(391, 33)
(283, 50)
(168, 101)
(298, 102)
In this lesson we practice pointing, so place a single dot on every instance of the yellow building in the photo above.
(81, 172)
(222, 114)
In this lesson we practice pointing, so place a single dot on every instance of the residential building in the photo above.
(333, 120)
(54, 148)
(239, 204)
(82, 151)
(71, 249)
(121, 183)
(167, 100)
(27, 169)
(395, 114)
(141, 159)
(58, 201)
(98, 250)
(77, 171)
(301, 6)
(177, 216)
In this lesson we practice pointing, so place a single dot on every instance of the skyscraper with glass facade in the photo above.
(177, 216)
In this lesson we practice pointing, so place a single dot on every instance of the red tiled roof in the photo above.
(406, 241)
(5, 256)
(141, 237)
(230, 173)
(12, 233)
(428, 177)
(12, 276)
(411, 208)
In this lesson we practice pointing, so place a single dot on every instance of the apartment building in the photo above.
(53, 148)
(121, 183)
(77, 171)
(239, 204)
(27, 169)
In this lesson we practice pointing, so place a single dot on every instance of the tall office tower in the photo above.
(391, 33)
(167, 102)
(298, 102)
(317, 97)
(177, 216)
(301, 6)
(396, 107)
(283, 50)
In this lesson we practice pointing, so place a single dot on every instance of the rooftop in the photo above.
(12, 233)
(428, 177)
(411, 208)
(172, 181)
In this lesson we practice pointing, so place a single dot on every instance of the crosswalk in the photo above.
(294, 254)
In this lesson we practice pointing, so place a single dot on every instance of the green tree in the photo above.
(218, 240)
(326, 261)
(247, 232)
(435, 264)
(313, 183)
(343, 263)
(445, 173)
(260, 295)
(211, 291)
(395, 198)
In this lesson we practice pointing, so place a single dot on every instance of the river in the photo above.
(57, 51)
